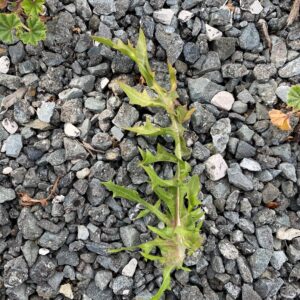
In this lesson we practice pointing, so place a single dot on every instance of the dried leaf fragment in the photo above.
(11, 99)
(287, 234)
(280, 119)
(26, 200)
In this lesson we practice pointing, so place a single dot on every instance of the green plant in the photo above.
(177, 204)
(281, 119)
(22, 20)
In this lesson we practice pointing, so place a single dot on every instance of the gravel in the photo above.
(72, 124)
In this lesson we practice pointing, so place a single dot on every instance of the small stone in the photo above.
(126, 116)
(103, 278)
(122, 285)
(225, 47)
(130, 268)
(43, 268)
(228, 250)
(238, 179)
(220, 134)
(66, 290)
(71, 112)
(216, 167)
(28, 225)
(291, 69)
(10, 81)
(69, 94)
(82, 233)
(45, 111)
(270, 193)
(44, 251)
(191, 52)
(191, 292)
(185, 16)
(71, 131)
(253, 6)
(6, 194)
(259, 261)
(74, 150)
(250, 165)
(279, 51)
(85, 172)
(234, 70)
(101, 141)
(212, 33)
(4, 64)
(249, 294)
(130, 236)
(15, 272)
(278, 259)
(10, 126)
(249, 38)
(264, 237)
(282, 92)
(200, 152)
(223, 100)
(85, 83)
(288, 170)
(244, 150)
(13, 145)
(163, 16)
(103, 7)
(94, 104)
(202, 89)
(244, 269)
(7, 170)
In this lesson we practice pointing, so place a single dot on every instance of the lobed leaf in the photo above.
(36, 33)
(9, 23)
(33, 7)
(280, 119)
(293, 98)
(193, 189)
(161, 155)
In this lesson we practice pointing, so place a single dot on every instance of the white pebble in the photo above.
(185, 15)
(82, 233)
(223, 100)
(66, 290)
(81, 174)
(212, 33)
(7, 170)
(130, 268)
(43, 251)
(4, 64)
(104, 82)
(164, 16)
(250, 165)
(216, 167)
(10, 126)
(71, 131)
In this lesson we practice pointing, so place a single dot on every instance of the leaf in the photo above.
(280, 119)
(8, 24)
(167, 196)
(36, 33)
(293, 98)
(287, 234)
(166, 284)
(141, 99)
(165, 233)
(33, 7)
(193, 189)
(122, 192)
(11, 99)
(156, 180)
(173, 81)
(183, 114)
(161, 155)
(149, 129)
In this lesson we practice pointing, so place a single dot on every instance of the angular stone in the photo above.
(216, 167)
(223, 100)
(163, 16)
(129, 236)
(6, 194)
(225, 47)
(234, 70)
(249, 294)
(45, 111)
(249, 38)
(238, 179)
(130, 268)
(212, 33)
(53, 241)
(259, 261)
(4, 64)
(126, 116)
(85, 83)
(228, 250)
(278, 51)
(264, 237)
(15, 272)
(74, 150)
(250, 165)
(13, 145)
(220, 134)
(291, 69)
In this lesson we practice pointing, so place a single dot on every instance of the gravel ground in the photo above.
(248, 169)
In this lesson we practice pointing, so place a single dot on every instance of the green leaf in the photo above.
(33, 7)
(193, 189)
(293, 98)
(166, 284)
(167, 196)
(122, 192)
(165, 233)
(183, 114)
(149, 129)
(8, 24)
(156, 180)
(141, 99)
(173, 81)
(36, 33)
(161, 155)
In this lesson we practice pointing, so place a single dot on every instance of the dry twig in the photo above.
(294, 13)
(263, 29)
(26, 200)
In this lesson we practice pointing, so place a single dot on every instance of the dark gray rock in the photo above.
(270, 193)
(244, 150)
(83, 9)
(200, 152)
(6, 194)
(170, 42)
(126, 116)
(249, 39)
(16, 53)
(102, 171)
(225, 47)
(30, 251)
(102, 141)
(74, 150)
(264, 216)
(244, 269)
(259, 261)
(202, 119)
(15, 272)
(10, 81)
(191, 52)
(27, 224)
(220, 134)
(42, 269)
(238, 179)
(234, 71)
(191, 293)
(228, 250)
(85, 83)
(53, 241)
(249, 294)
(208, 63)
(122, 285)
(202, 89)
(66, 257)
(71, 112)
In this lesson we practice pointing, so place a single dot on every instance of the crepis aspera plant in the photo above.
(176, 202)
(22, 19)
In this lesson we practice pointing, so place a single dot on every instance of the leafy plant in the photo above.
(177, 205)
(281, 119)
(22, 20)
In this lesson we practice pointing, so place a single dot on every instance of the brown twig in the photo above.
(26, 200)
(263, 29)
(294, 13)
